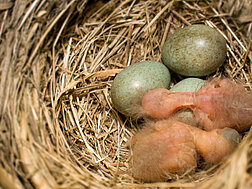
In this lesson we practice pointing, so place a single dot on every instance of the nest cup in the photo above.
(58, 60)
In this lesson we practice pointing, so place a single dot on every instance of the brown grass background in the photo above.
(58, 59)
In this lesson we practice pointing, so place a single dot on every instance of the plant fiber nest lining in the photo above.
(58, 59)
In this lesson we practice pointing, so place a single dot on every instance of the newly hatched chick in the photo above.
(224, 103)
(161, 150)
(218, 104)
(170, 147)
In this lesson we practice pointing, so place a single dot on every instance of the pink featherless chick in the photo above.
(218, 104)
(168, 147)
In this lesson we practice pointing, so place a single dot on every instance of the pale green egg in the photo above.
(130, 84)
(195, 50)
(188, 85)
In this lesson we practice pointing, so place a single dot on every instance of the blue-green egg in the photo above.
(188, 85)
(196, 50)
(130, 84)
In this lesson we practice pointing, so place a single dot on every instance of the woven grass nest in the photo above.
(58, 127)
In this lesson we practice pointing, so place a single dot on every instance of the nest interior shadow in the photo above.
(58, 127)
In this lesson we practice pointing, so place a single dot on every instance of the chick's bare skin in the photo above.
(218, 104)
(222, 104)
(216, 144)
(170, 147)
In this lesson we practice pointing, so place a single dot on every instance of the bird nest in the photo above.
(58, 60)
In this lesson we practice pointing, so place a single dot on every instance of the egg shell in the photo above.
(130, 84)
(195, 50)
(188, 85)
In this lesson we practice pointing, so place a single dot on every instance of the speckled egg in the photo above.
(188, 85)
(130, 84)
(195, 50)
